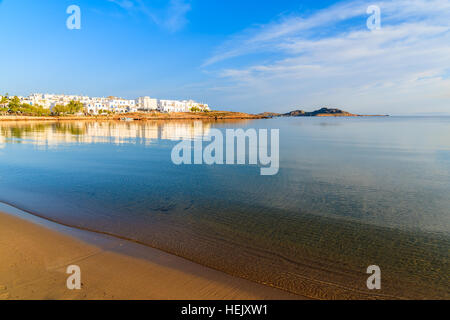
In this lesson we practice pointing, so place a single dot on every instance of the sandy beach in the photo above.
(34, 259)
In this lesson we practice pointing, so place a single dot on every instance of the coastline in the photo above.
(206, 116)
(211, 116)
(35, 254)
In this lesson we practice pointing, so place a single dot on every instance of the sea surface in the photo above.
(350, 193)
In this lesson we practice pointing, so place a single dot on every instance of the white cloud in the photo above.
(126, 4)
(172, 17)
(402, 68)
(266, 36)
(176, 15)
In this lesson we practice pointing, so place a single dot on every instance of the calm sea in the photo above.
(350, 193)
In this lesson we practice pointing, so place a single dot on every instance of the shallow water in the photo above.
(350, 192)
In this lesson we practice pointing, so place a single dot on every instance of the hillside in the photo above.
(323, 112)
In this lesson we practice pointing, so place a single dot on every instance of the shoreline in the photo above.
(209, 116)
(36, 252)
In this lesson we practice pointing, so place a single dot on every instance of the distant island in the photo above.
(323, 112)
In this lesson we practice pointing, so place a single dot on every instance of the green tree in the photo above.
(71, 108)
(75, 107)
(4, 101)
(14, 102)
(59, 109)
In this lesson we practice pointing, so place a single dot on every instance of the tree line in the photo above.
(13, 106)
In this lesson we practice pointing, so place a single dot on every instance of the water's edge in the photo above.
(90, 236)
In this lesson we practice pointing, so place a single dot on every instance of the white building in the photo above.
(180, 106)
(119, 105)
(146, 104)
(37, 99)
(171, 106)
(95, 105)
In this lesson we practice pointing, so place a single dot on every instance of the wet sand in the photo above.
(35, 255)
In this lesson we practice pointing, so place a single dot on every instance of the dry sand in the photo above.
(34, 256)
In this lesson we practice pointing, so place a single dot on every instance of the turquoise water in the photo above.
(350, 192)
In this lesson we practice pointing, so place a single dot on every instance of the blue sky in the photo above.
(251, 56)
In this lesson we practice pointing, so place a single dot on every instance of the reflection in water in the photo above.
(56, 133)
(350, 193)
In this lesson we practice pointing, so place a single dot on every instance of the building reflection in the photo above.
(56, 133)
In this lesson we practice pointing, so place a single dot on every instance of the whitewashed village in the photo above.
(103, 105)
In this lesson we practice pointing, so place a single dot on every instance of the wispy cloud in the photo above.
(176, 15)
(268, 36)
(275, 34)
(331, 57)
(172, 17)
